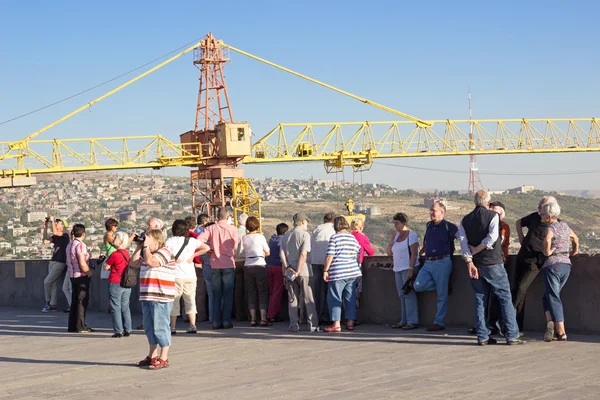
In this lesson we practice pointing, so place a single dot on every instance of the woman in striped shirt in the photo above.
(157, 290)
(341, 270)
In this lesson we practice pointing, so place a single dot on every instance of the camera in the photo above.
(139, 238)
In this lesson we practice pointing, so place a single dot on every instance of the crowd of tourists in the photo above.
(218, 272)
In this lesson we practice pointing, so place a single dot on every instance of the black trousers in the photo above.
(528, 267)
(240, 297)
(79, 303)
(319, 288)
(257, 287)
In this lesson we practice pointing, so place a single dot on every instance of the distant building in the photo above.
(128, 216)
(373, 210)
(5, 245)
(428, 202)
(148, 208)
(521, 189)
(17, 231)
(34, 216)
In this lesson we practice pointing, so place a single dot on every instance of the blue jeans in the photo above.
(119, 307)
(207, 272)
(554, 276)
(410, 307)
(338, 291)
(222, 288)
(435, 275)
(157, 322)
(494, 277)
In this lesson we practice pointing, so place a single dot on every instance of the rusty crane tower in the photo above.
(221, 142)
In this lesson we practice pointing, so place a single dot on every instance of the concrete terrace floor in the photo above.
(40, 360)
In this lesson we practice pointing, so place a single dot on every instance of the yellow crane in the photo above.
(218, 144)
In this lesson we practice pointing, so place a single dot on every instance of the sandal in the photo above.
(398, 326)
(264, 324)
(253, 324)
(158, 364)
(146, 361)
(350, 327)
(560, 338)
(332, 329)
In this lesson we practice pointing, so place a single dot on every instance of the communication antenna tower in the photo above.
(474, 181)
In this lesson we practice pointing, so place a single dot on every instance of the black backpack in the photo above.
(129, 276)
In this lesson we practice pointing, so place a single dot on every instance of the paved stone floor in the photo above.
(40, 360)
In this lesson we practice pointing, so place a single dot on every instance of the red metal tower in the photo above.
(221, 142)
(474, 181)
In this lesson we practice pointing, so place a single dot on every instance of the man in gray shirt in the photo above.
(295, 246)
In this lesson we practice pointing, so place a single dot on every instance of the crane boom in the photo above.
(337, 145)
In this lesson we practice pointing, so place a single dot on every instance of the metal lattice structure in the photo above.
(218, 144)
(337, 145)
(357, 144)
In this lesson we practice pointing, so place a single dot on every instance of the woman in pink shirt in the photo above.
(357, 227)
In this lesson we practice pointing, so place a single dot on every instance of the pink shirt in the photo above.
(74, 249)
(222, 239)
(365, 245)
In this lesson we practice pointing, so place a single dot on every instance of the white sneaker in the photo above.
(46, 308)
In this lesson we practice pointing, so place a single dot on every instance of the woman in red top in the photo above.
(119, 296)
(357, 225)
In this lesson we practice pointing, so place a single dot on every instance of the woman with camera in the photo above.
(111, 226)
(157, 291)
(404, 249)
(119, 296)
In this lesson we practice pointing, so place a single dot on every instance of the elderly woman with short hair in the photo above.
(340, 271)
(555, 271)
(119, 296)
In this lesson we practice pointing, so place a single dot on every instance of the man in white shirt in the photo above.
(319, 242)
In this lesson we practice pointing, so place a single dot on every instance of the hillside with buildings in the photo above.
(133, 198)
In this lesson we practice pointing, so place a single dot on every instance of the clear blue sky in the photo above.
(521, 59)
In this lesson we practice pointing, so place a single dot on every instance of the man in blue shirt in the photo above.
(438, 246)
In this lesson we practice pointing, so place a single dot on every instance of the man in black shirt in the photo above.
(530, 257)
(60, 238)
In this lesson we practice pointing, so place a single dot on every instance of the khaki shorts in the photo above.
(186, 288)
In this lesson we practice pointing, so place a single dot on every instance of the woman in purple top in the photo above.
(275, 274)
(556, 269)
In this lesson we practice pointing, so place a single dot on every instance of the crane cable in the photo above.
(98, 85)
(419, 122)
(19, 144)
(454, 171)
